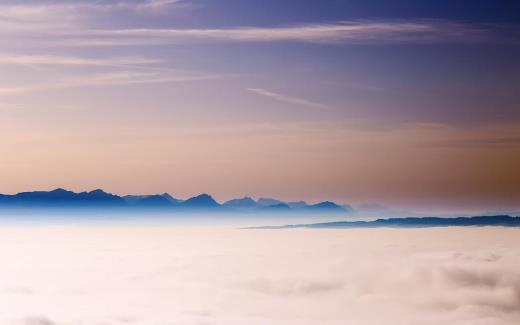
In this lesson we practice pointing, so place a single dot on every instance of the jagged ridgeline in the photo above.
(61, 198)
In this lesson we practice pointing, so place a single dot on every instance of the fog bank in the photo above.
(64, 275)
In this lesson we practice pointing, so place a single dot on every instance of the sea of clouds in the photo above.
(169, 275)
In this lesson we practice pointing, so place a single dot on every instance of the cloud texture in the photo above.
(202, 275)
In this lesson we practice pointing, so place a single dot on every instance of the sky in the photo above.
(409, 104)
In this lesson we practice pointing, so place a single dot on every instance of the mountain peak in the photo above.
(60, 191)
(326, 205)
(171, 198)
(265, 202)
(158, 201)
(201, 201)
(245, 202)
(97, 191)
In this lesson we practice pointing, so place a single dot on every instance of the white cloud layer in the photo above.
(202, 275)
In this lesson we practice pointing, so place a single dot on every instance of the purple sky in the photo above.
(411, 104)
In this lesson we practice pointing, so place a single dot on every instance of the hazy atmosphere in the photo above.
(410, 104)
(259, 162)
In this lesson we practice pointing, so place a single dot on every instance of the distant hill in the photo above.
(244, 203)
(150, 201)
(426, 222)
(265, 202)
(325, 206)
(61, 198)
(171, 198)
(155, 201)
(204, 201)
(277, 207)
(133, 199)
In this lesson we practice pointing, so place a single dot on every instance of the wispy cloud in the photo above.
(105, 79)
(337, 32)
(46, 9)
(79, 20)
(156, 4)
(500, 141)
(68, 60)
(286, 98)
(367, 32)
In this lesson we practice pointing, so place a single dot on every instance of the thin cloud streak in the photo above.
(107, 79)
(67, 60)
(156, 4)
(337, 32)
(44, 10)
(501, 141)
(286, 98)
(341, 32)
(60, 23)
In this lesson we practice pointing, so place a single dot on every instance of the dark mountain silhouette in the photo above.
(204, 201)
(265, 202)
(325, 206)
(278, 207)
(244, 203)
(171, 198)
(155, 201)
(160, 200)
(61, 197)
(132, 199)
(499, 220)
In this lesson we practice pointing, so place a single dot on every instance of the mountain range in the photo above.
(61, 198)
(413, 222)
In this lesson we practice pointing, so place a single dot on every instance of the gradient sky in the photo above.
(411, 104)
